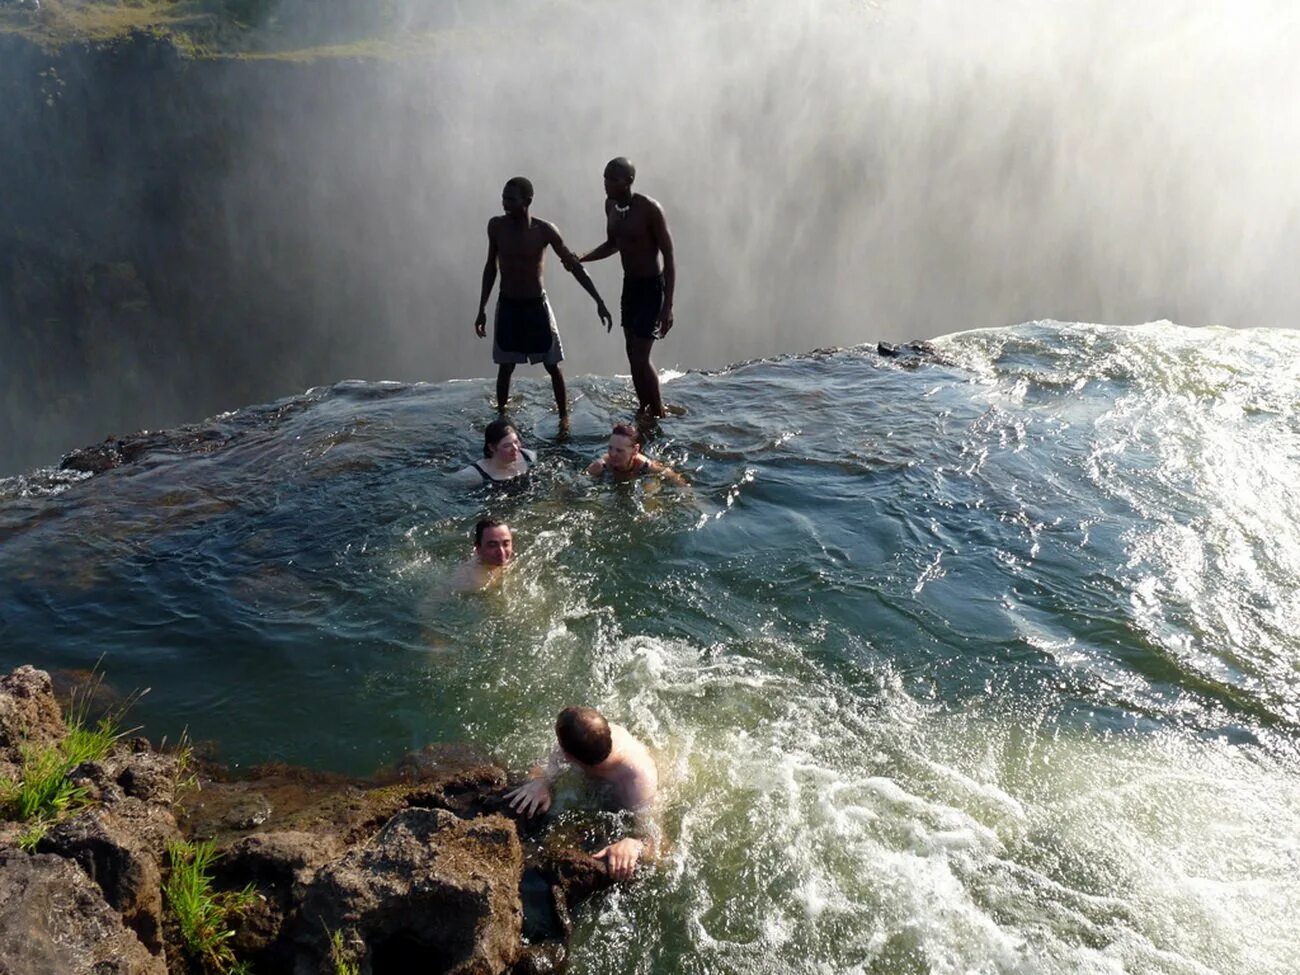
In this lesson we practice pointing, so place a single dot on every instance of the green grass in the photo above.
(42, 794)
(341, 956)
(216, 29)
(203, 914)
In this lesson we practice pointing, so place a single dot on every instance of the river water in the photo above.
(980, 663)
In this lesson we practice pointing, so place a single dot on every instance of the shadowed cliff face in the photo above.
(180, 237)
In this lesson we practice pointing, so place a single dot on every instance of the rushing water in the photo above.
(985, 665)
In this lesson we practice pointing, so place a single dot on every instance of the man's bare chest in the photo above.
(631, 228)
(521, 243)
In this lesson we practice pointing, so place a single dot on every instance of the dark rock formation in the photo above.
(430, 890)
(121, 847)
(54, 921)
(279, 866)
(422, 868)
(912, 354)
(116, 451)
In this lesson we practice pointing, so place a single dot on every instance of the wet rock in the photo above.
(268, 799)
(436, 762)
(575, 876)
(544, 959)
(430, 891)
(29, 717)
(248, 812)
(911, 354)
(118, 451)
(277, 798)
(54, 921)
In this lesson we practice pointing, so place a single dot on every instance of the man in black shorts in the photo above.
(524, 327)
(637, 230)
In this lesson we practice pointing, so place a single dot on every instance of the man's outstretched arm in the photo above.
(489, 279)
(572, 263)
(607, 249)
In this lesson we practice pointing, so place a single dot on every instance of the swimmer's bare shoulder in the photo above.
(637, 790)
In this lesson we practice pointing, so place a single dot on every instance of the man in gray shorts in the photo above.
(523, 329)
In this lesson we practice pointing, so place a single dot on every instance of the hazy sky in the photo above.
(837, 172)
(834, 172)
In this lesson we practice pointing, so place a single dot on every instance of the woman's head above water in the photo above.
(501, 442)
(624, 445)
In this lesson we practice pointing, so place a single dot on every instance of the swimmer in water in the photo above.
(608, 754)
(624, 461)
(493, 551)
(505, 459)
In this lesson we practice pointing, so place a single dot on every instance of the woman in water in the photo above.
(505, 459)
(623, 461)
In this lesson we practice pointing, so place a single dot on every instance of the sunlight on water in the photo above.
(981, 663)
(820, 834)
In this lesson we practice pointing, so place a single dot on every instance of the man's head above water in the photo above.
(584, 735)
(493, 542)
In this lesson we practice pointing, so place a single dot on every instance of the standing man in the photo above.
(637, 230)
(524, 327)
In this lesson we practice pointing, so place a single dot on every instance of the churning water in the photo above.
(985, 664)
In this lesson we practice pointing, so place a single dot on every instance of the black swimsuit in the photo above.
(516, 483)
(643, 299)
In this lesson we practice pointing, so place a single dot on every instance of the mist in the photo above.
(833, 173)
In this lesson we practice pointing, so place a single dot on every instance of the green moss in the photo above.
(210, 29)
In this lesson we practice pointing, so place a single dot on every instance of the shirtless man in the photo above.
(623, 461)
(494, 547)
(524, 329)
(606, 753)
(637, 230)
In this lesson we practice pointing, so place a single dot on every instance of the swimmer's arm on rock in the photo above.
(534, 796)
(641, 844)
(621, 857)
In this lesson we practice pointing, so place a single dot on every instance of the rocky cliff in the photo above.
(424, 868)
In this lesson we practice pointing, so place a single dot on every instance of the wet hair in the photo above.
(483, 526)
(524, 184)
(583, 733)
(622, 164)
(494, 433)
(629, 431)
